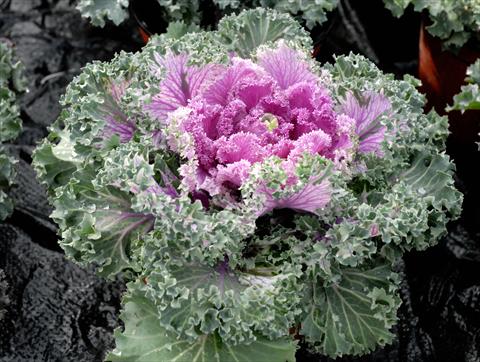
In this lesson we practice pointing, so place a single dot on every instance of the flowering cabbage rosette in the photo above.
(247, 193)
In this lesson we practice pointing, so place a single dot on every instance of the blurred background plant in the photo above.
(12, 83)
(454, 22)
(202, 12)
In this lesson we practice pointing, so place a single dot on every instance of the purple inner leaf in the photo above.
(366, 111)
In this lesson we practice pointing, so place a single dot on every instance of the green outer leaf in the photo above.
(414, 214)
(54, 172)
(98, 225)
(354, 315)
(391, 204)
(252, 28)
(145, 340)
(194, 299)
(432, 177)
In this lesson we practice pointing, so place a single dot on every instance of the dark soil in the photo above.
(59, 311)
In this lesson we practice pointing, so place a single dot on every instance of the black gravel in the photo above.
(53, 310)
(58, 311)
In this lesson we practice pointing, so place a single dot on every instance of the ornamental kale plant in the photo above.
(469, 96)
(454, 22)
(12, 84)
(248, 193)
(313, 12)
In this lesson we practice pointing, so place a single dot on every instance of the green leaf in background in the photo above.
(12, 84)
(191, 12)
(7, 174)
(469, 96)
(453, 21)
(98, 10)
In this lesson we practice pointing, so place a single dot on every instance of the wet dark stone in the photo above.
(4, 299)
(23, 28)
(445, 294)
(24, 5)
(58, 311)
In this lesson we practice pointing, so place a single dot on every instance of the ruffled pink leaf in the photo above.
(240, 146)
(231, 116)
(315, 143)
(233, 174)
(283, 148)
(286, 66)
(220, 90)
(251, 90)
